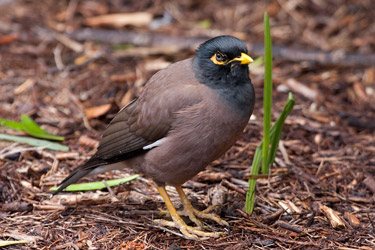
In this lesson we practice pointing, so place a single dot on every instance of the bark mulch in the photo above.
(72, 75)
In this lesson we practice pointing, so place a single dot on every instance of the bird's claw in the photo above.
(192, 233)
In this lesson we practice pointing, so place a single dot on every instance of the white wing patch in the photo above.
(154, 144)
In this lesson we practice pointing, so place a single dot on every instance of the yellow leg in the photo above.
(187, 231)
(193, 213)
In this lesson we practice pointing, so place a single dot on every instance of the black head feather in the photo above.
(231, 80)
(219, 76)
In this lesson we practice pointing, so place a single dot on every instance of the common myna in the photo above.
(188, 115)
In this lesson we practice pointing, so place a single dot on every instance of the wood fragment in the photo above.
(68, 42)
(284, 240)
(69, 155)
(24, 86)
(302, 89)
(212, 176)
(273, 217)
(284, 153)
(119, 20)
(288, 226)
(234, 187)
(61, 200)
(57, 56)
(369, 181)
(352, 219)
(49, 207)
(87, 141)
(332, 216)
(290, 207)
(359, 199)
(16, 206)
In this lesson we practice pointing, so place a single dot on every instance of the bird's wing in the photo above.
(150, 117)
(145, 120)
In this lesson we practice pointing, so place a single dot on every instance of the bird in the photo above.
(188, 115)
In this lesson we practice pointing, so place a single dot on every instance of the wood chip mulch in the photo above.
(320, 194)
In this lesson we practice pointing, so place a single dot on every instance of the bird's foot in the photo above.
(192, 233)
(195, 233)
(194, 214)
(205, 214)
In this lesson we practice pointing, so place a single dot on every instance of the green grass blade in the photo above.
(250, 195)
(275, 135)
(267, 101)
(33, 129)
(35, 142)
(279, 124)
(95, 185)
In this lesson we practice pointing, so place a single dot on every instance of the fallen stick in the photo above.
(191, 43)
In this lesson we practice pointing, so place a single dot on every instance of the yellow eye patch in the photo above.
(219, 58)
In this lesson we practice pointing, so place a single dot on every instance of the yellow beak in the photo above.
(244, 59)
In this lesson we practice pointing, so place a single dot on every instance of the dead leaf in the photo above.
(6, 39)
(359, 90)
(97, 111)
(127, 98)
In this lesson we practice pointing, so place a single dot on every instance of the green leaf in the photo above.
(256, 63)
(30, 127)
(35, 142)
(11, 124)
(205, 24)
(95, 185)
(122, 47)
(267, 100)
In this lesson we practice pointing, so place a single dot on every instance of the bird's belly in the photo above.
(184, 154)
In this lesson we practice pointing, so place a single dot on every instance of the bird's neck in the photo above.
(233, 86)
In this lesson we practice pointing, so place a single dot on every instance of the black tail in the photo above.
(94, 162)
(80, 172)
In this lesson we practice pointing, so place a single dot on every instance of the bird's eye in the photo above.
(219, 57)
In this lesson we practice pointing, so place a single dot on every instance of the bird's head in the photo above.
(222, 60)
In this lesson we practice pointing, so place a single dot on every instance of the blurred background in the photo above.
(71, 65)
